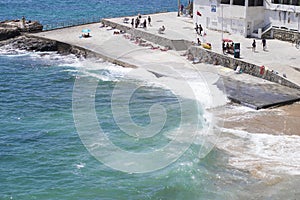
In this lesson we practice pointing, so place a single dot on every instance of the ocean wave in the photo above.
(8, 51)
(265, 156)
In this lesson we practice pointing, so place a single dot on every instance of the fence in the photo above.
(94, 19)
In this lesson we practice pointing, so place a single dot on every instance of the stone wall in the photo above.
(64, 48)
(285, 35)
(177, 45)
(210, 57)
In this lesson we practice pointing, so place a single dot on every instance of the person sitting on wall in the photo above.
(198, 42)
(238, 70)
(161, 29)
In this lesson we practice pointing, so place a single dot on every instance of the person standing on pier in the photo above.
(200, 29)
(264, 43)
(23, 22)
(149, 21)
(132, 22)
(224, 47)
(137, 22)
(197, 28)
(253, 45)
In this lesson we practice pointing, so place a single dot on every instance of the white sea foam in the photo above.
(80, 165)
(8, 51)
(263, 155)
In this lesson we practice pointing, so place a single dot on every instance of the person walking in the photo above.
(253, 45)
(264, 43)
(224, 47)
(196, 28)
(200, 29)
(132, 22)
(149, 21)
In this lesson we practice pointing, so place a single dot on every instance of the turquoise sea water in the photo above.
(41, 153)
(53, 11)
(42, 156)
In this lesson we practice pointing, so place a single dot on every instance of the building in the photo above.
(250, 18)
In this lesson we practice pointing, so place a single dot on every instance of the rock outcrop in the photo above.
(13, 28)
(6, 33)
(30, 44)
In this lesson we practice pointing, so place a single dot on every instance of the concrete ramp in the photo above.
(180, 45)
(258, 96)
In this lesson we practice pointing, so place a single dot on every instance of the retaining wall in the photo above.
(65, 48)
(284, 35)
(178, 45)
(210, 57)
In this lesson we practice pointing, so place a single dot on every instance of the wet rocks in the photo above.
(13, 28)
(30, 44)
(6, 33)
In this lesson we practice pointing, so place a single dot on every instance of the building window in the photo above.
(276, 1)
(296, 2)
(287, 2)
(225, 1)
(239, 2)
(255, 3)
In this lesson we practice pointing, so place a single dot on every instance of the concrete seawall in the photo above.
(178, 45)
(207, 56)
(65, 48)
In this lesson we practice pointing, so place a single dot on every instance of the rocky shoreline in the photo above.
(30, 44)
(13, 35)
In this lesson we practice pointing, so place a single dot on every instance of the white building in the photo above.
(248, 17)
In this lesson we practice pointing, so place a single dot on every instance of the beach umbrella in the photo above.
(227, 40)
(86, 30)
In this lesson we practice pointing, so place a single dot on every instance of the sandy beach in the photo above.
(275, 121)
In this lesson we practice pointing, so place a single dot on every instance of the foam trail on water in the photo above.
(260, 153)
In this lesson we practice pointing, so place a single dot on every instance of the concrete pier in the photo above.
(281, 57)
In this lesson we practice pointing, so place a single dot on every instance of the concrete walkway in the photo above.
(282, 57)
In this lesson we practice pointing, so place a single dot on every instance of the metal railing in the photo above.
(266, 27)
(95, 19)
(70, 23)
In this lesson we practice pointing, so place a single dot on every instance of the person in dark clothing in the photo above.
(181, 9)
(200, 29)
(253, 45)
(198, 41)
(137, 22)
(197, 28)
(224, 47)
(132, 22)
(149, 20)
(264, 43)
(145, 24)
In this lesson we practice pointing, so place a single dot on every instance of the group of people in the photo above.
(198, 29)
(264, 44)
(188, 10)
(228, 48)
(137, 22)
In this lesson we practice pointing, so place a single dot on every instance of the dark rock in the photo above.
(31, 44)
(26, 26)
(7, 33)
